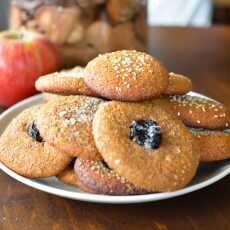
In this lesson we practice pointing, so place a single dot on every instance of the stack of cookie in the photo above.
(122, 125)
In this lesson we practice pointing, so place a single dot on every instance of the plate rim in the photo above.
(98, 198)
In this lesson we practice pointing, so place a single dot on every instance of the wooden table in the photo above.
(202, 54)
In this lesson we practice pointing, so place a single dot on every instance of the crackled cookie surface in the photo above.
(66, 82)
(200, 112)
(66, 123)
(126, 75)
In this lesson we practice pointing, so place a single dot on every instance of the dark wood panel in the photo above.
(204, 55)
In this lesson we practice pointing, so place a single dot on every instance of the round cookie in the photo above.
(213, 145)
(145, 144)
(120, 11)
(126, 75)
(200, 112)
(68, 176)
(67, 82)
(23, 150)
(178, 84)
(66, 123)
(99, 178)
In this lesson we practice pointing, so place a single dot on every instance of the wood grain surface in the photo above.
(202, 54)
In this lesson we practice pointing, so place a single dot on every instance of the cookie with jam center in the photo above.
(66, 82)
(148, 146)
(23, 149)
(98, 178)
(126, 75)
(214, 145)
(178, 84)
(66, 123)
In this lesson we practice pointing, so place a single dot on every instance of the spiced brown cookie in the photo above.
(89, 3)
(99, 35)
(24, 150)
(131, 40)
(50, 96)
(72, 54)
(67, 82)
(213, 145)
(196, 111)
(178, 84)
(68, 176)
(145, 144)
(122, 10)
(66, 123)
(126, 75)
(99, 178)
(50, 18)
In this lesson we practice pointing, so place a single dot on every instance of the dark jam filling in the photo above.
(33, 132)
(146, 133)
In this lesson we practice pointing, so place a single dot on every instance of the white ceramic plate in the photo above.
(205, 176)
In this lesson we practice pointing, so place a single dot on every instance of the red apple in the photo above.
(24, 56)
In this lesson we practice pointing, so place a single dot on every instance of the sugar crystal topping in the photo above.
(202, 104)
(198, 102)
(130, 62)
(128, 66)
(81, 113)
(100, 167)
(195, 101)
(77, 72)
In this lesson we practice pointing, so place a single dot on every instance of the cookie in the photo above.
(131, 40)
(16, 17)
(89, 3)
(122, 10)
(50, 96)
(81, 55)
(140, 26)
(67, 82)
(67, 124)
(68, 176)
(126, 75)
(99, 35)
(99, 178)
(23, 149)
(200, 112)
(50, 18)
(178, 84)
(213, 145)
(145, 144)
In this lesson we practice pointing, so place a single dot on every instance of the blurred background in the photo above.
(82, 29)
(170, 13)
(4, 8)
